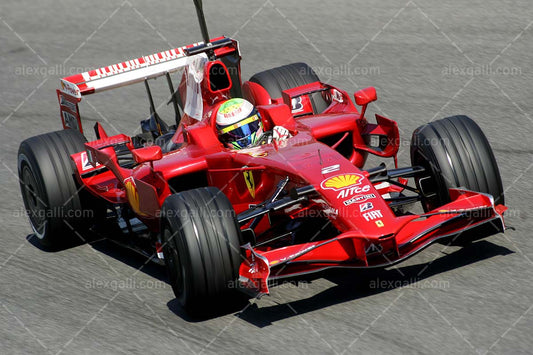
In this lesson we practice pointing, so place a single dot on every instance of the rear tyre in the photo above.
(276, 80)
(201, 247)
(56, 205)
(455, 153)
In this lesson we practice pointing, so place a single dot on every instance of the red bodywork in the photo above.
(369, 232)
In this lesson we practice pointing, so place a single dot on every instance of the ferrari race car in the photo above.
(224, 219)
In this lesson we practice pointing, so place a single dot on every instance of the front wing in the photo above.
(350, 249)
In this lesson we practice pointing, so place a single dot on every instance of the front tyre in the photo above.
(201, 247)
(455, 153)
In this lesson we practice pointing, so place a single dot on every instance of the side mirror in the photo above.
(147, 154)
(365, 96)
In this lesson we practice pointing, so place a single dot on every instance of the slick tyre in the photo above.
(455, 153)
(58, 208)
(276, 80)
(201, 247)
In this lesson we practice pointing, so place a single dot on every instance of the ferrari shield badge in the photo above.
(249, 179)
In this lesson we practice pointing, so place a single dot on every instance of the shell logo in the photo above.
(133, 195)
(341, 181)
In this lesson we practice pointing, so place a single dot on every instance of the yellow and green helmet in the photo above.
(238, 123)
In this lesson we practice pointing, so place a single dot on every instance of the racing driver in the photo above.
(239, 126)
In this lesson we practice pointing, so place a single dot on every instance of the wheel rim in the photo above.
(34, 202)
(174, 265)
(430, 187)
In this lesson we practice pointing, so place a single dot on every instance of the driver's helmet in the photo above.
(238, 123)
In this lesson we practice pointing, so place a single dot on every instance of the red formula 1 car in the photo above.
(224, 219)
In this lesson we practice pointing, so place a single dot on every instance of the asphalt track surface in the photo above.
(427, 59)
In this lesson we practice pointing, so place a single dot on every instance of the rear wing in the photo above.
(130, 72)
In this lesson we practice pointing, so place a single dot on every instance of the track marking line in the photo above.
(11, 255)
(151, 26)
(508, 329)
(94, 251)
(311, 327)
(24, 101)
(385, 310)
(511, 100)
(102, 24)
(25, 328)
(23, 41)
(164, 323)
(362, 49)
(227, 326)
(442, 32)
(245, 23)
(447, 321)
(511, 43)
(87, 324)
